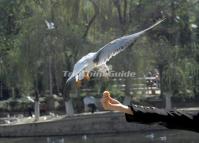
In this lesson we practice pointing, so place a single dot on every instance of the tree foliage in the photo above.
(33, 58)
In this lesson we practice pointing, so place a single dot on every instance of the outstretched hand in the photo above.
(110, 103)
(107, 102)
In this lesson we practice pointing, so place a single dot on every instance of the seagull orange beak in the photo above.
(78, 83)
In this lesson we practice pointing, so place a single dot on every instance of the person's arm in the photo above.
(147, 115)
(172, 119)
(121, 108)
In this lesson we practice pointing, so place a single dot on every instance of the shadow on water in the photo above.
(171, 136)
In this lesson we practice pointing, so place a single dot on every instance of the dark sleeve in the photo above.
(171, 119)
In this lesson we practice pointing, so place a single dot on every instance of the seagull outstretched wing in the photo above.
(118, 45)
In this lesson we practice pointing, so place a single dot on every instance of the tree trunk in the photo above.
(161, 81)
(168, 105)
(1, 90)
(50, 76)
(50, 101)
(13, 92)
(122, 15)
(127, 90)
(66, 95)
(55, 79)
(69, 107)
(37, 110)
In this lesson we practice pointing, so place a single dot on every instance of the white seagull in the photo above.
(50, 25)
(97, 60)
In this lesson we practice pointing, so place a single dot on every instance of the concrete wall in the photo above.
(98, 123)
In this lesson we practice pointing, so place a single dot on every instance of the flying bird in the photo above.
(98, 60)
(50, 25)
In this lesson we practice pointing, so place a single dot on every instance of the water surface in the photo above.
(171, 136)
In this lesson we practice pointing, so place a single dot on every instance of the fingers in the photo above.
(106, 94)
(105, 101)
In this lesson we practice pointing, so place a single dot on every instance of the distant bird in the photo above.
(30, 99)
(98, 59)
(150, 136)
(163, 138)
(50, 25)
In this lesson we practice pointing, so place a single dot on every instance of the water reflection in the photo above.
(55, 139)
(169, 136)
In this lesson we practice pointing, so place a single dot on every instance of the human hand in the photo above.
(110, 103)
(107, 96)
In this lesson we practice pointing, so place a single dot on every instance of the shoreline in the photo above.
(89, 124)
(104, 122)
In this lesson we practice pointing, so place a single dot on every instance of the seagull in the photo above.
(98, 60)
(30, 99)
(50, 25)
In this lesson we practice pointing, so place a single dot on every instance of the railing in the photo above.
(147, 86)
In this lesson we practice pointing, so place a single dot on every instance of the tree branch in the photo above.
(117, 5)
(92, 19)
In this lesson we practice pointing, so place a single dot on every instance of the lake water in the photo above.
(169, 136)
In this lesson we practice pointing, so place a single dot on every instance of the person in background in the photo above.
(171, 119)
(89, 104)
(30, 111)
